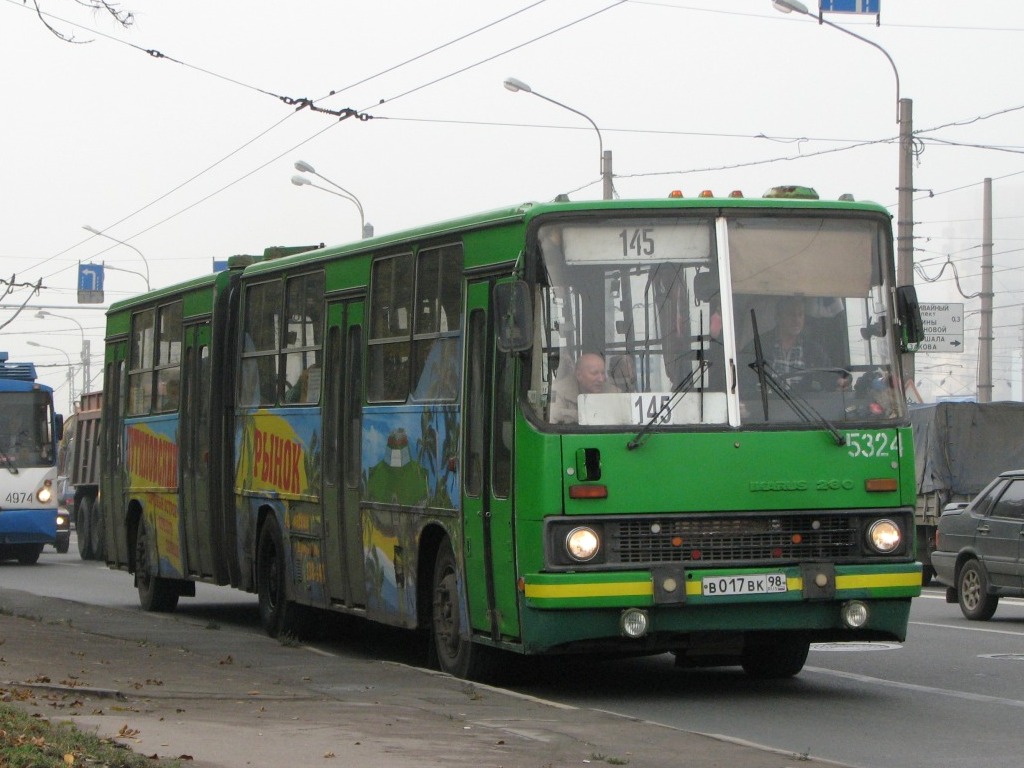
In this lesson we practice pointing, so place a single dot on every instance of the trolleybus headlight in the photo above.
(582, 544)
(884, 536)
(855, 614)
(634, 622)
(44, 495)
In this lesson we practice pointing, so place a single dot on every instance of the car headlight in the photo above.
(884, 536)
(582, 544)
(44, 495)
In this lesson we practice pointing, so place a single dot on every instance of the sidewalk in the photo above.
(226, 698)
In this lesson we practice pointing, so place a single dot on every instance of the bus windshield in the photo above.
(692, 320)
(25, 438)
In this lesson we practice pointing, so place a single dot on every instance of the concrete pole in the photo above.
(606, 174)
(985, 333)
(86, 377)
(905, 214)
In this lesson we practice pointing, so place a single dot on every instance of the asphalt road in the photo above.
(952, 695)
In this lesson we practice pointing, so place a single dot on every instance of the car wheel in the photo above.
(972, 588)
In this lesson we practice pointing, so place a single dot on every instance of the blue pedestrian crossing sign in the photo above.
(850, 6)
(90, 283)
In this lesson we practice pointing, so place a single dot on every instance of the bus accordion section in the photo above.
(616, 427)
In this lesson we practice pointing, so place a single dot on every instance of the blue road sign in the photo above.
(90, 283)
(872, 7)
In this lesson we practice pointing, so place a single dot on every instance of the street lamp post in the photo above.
(515, 86)
(95, 231)
(301, 181)
(71, 372)
(42, 314)
(905, 189)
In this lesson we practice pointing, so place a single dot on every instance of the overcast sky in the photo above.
(187, 152)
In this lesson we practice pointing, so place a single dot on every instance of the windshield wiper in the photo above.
(9, 463)
(799, 405)
(678, 391)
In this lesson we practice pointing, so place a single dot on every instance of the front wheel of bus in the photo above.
(156, 594)
(452, 648)
(28, 554)
(774, 657)
(279, 616)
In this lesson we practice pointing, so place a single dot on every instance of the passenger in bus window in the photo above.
(589, 378)
(791, 353)
(169, 390)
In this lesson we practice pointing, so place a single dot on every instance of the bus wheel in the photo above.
(83, 525)
(976, 603)
(279, 616)
(454, 652)
(156, 594)
(28, 554)
(774, 657)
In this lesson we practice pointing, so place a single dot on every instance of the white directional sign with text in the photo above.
(943, 328)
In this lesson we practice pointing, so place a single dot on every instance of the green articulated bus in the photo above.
(614, 427)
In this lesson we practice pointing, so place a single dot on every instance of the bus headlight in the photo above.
(44, 495)
(582, 544)
(884, 536)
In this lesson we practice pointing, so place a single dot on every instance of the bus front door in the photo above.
(488, 525)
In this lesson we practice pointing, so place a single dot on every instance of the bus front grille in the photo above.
(713, 540)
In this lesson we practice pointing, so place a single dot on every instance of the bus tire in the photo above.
(97, 547)
(279, 616)
(156, 594)
(28, 554)
(451, 650)
(83, 524)
(976, 603)
(774, 657)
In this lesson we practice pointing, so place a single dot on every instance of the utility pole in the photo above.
(985, 333)
(905, 213)
(606, 175)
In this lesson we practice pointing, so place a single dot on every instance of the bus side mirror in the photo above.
(58, 426)
(908, 312)
(513, 316)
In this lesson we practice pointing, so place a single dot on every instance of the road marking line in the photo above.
(968, 629)
(978, 697)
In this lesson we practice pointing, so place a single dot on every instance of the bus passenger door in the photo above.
(194, 444)
(488, 527)
(342, 430)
